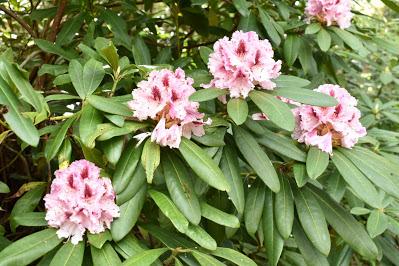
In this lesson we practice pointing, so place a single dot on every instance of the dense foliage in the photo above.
(132, 133)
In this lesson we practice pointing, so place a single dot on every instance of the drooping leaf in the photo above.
(218, 216)
(316, 162)
(233, 256)
(199, 235)
(237, 109)
(106, 256)
(150, 158)
(306, 96)
(109, 105)
(88, 122)
(54, 143)
(207, 94)
(137, 180)
(284, 209)
(69, 255)
(377, 223)
(254, 207)
(145, 258)
(206, 260)
(98, 240)
(141, 53)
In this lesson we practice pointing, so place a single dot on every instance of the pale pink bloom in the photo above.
(330, 12)
(80, 200)
(241, 63)
(164, 98)
(326, 127)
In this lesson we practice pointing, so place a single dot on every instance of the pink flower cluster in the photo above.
(164, 98)
(330, 12)
(242, 63)
(326, 127)
(80, 200)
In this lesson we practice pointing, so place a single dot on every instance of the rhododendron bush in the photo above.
(199, 133)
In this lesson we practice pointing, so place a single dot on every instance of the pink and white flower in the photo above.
(164, 98)
(241, 63)
(80, 200)
(330, 12)
(327, 127)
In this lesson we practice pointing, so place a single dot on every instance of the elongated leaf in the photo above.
(284, 209)
(207, 94)
(229, 165)
(356, 180)
(98, 240)
(204, 53)
(28, 249)
(392, 5)
(316, 162)
(129, 213)
(254, 207)
(21, 126)
(115, 131)
(291, 48)
(4, 187)
(69, 29)
(203, 165)
(282, 145)
(150, 158)
(286, 81)
(256, 158)
(137, 180)
(306, 96)
(145, 258)
(324, 40)
(206, 260)
(169, 238)
(169, 209)
(313, 28)
(346, 226)
(30, 219)
(312, 256)
(69, 255)
(141, 53)
(233, 256)
(56, 138)
(109, 105)
(237, 109)
(113, 149)
(106, 256)
(92, 75)
(242, 7)
(274, 243)
(277, 111)
(200, 236)
(351, 40)
(389, 249)
(312, 220)
(300, 174)
(89, 120)
(268, 24)
(180, 187)
(377, 223)
(125, 167)
(53, 48)
(219, 216)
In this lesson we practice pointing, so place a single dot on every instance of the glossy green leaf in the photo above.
(237, 109)
(141, 53)
(69, 29)
(207, 94)
(256, 158)
(169, 238)
(137, 181)
(286, 81)
(98, 240)
(145, 258)
(268, 24)
(351, 40)
(254, 207)
(106, 256)
(53, 48)
(233, 256)
(291, 48)
(54, 143)
(377, 223)
(203, 165)
(200, 236)
(284, 209)
(313, 28)
(150, 158)
(218, 216)
(29, 248)
(88, 122)
(113, 149)
(324, 40)
(300, 175)
(109, 105)
(277, 111)
(306, 96)
(206, 260)
(30, 219)
(69, 255)
(316, 162)
(180, 187)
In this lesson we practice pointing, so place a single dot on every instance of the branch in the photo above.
(19, 20)
(57, 20)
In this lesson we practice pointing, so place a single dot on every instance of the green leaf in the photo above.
(206, 260)
(313, 28)
(219, 216)
(69, 255)
(117, 25)
(106, 256)
(277, 111)
(312, 220)
(300, 176)
(169, 238)
(360, 211)
(109, 105)
(56, 138)
(306, 96)
(20, 125)
(111, 131)
(207, 94)
(145, 258)
(284, 209)
(351, 40)
(254, 207)
(180, 187)
(69, 29)
(137, 180)
(256, 158)
(324, 40)
(30, 219)
(273, 242)
(4, 188)
(391, 4)
(205, 53)
(113, 149)
(268, 24)
(237, 109)
(141, 53)
(28, 249)
(108, 51)
(376, 169)
(306, 58)
(53, 48)
(98, 240)
(389, 249)
(230, 168)
(89, 120)
(377, 223)
(363, 188)
(129, 213)
(233, 256)
(200, 236)
(286, 81)
(93, 74)
(203, 165)
(150, 158)
(345, 225)
(316, 162)
(281, 145)
(248, 23)
(125, 167)
(129, 246)
(242, 7)
(312, 256)
(291, 48)
(169, 209)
